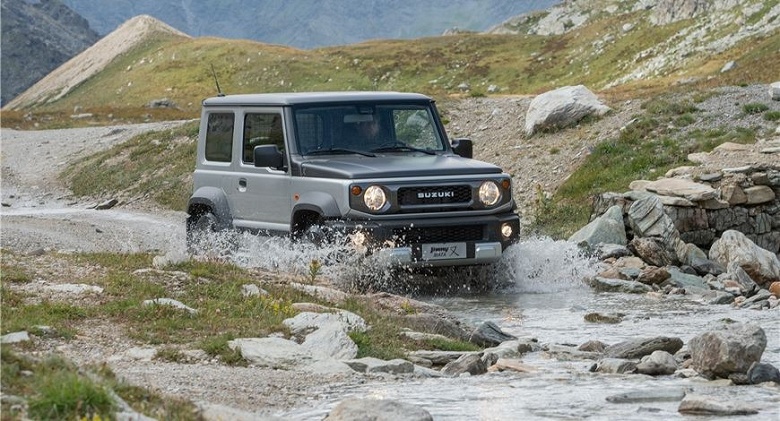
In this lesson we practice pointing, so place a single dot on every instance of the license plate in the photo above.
(443, 251)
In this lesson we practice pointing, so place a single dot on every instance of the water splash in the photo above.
(534, 265)
(544, 265)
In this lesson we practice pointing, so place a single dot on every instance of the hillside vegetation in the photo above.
(600, 53)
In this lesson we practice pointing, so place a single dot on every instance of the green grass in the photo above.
(754, 108)
(155, 165)
(645, 149)
(772, 115)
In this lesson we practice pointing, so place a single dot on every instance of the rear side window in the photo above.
(261, 129)
(219, 137)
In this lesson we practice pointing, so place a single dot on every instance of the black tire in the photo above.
(198, 229)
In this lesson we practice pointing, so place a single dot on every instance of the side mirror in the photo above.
(268, 156)
(463, 147)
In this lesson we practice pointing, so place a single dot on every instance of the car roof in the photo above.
(293, 98)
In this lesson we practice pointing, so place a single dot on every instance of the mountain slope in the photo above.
(37, 37)
(306, 23)
(131, 34)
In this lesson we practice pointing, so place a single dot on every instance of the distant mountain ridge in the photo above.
(307, 23)
(37, 37)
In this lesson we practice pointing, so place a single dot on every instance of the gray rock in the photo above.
(605, 251)
(15, 337)
(691, 283)
(618, 285)
(489, 334)
(606, 229)
(774, 91)
(562, 107)
(678, 187)
(473, 364)
(170, 302)
(638, 348)
(650, 395)
(593, 346)
(438, 358)
(763, 372)
(653, 251)
(730, 349)
(375, 365)
(614, 366)
(355, 409)
(718, 297)
(702, 405)
(657, 363)
(647, 218)
(653, 275)
(761, 265)
(514, 348)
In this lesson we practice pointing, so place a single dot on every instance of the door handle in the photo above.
(242, 184)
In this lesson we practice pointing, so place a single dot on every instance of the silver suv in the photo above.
(374, 166)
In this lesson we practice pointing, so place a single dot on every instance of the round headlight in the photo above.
(374, 198)
(489, 193)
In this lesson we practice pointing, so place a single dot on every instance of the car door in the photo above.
(260, 196)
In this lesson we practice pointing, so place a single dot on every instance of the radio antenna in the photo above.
(216, 81)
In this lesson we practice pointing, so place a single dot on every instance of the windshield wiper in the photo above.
(339, 151)
(402, 147)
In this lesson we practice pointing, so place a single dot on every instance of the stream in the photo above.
(538, 292)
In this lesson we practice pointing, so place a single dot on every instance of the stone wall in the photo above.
(703, 206)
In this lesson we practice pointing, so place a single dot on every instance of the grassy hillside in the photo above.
(596, 55)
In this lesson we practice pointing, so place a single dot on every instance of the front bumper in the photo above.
(434, 242)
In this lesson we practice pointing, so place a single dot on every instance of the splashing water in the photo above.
(533, 265)
(544, 265)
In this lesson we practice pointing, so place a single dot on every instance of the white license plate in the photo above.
(443, 251)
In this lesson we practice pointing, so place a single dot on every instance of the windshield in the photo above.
(367, 129)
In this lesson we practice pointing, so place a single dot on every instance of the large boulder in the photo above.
(774, 91)
(562, 107)
(606, 229)
(729, 350)
(760, 264)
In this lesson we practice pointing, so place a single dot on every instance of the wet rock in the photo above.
(604, 318)
(489, 334)
(657, 364)
(702, 405)
(569, 353)
(437, 358)
(763, 372)
(651, 395)
(614, 366)
(647, 218)
(638, 348)
(757, 300)
(592, 346)
(774, 288)
(653, 275)
(761, 265)
(506, 364)
(730, 349)
(354, 409)
(609, 228)
(618, 285)
(375, 365)
(718, 297)
(435, 323)
(691, 283)
(473, 364)
(606, 251)
(653, 251)
(706, 266)
(514, 348)
(742, 281)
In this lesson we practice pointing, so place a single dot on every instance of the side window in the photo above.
(261, 129)
(219, 137)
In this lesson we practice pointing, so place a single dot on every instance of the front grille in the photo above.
(420, 235)
(434, 195)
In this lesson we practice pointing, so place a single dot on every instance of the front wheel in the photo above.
(204, 238)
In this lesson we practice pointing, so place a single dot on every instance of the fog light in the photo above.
(506, 230)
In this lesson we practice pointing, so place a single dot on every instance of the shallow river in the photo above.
(541, 295)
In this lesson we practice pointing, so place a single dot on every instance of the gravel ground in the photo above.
(40, 215)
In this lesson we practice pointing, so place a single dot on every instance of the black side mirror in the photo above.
(268, 156)
(463, 147)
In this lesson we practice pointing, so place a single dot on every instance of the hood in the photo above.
(384, 166)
